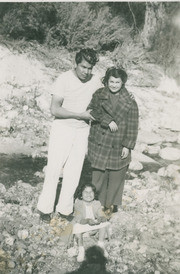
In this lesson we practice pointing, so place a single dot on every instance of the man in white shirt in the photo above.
(68, 141)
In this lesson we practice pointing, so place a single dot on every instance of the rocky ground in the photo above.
(145, 231)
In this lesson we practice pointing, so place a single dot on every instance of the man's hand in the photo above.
(125, 152)
(113, 126)
(87, 116)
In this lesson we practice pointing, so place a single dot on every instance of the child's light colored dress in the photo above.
(84, 211)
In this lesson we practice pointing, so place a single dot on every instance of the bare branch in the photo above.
(133, 16)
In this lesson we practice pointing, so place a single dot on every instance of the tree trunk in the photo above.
(154, 18)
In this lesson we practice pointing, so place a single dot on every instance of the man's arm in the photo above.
(59, 112)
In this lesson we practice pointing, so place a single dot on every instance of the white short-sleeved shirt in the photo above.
(89, 212)
(76, 94)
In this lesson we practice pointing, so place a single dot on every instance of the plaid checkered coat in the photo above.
(104, 146)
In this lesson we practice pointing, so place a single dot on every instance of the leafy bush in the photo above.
(79, 26)
(129, 54)
(28, 20)
(71, 25)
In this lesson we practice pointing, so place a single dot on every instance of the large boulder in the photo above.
(138, 156)
(170, 153)
(149, 138)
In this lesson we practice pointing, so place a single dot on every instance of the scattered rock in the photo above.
(135, 165)
(2, 189)
(169, 171)
(149, 138)
(153, 150)
(23, 234)
(11, 264)
(4, 123)
(170, 153)
(138, 156)
(9, 240)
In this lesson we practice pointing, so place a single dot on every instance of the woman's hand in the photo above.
(113, 126)
(125, 152)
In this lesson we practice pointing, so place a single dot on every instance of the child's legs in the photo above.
(115, 186)
(100, 180)
(102, 233)
(79, 238)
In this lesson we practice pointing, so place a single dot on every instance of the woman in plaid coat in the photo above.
(112, 136)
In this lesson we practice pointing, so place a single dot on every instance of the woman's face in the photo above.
(114, 84)
(88, 194)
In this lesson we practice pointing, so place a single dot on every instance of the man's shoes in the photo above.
(46, 218)
(69, 217)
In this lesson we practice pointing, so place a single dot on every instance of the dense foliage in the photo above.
(72, 25)
(106, 26)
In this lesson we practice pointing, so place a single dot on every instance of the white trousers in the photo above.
(67, 149)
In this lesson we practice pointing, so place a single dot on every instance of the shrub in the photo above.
(129, 54)
(27, 20)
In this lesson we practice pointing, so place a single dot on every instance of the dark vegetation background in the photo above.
(37, 42)
(135, 32)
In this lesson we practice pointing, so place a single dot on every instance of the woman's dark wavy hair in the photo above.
(90, 55)
(82, 188)
(115, 72)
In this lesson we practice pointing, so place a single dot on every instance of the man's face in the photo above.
(83, 70)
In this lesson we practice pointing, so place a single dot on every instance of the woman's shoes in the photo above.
(111, 209)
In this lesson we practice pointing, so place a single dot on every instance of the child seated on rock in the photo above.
(88, 216)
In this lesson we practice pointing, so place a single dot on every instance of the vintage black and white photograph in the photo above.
(89, 137)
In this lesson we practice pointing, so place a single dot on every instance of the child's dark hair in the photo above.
(82, 188)
(115, 72)
(89, 55)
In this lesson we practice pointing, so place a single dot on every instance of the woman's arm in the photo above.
(132, 121)
(96, 111)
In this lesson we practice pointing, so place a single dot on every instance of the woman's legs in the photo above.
(115, 186)
(100, 180)
(110, 185)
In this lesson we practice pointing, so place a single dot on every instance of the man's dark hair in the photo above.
(115, 72)
(89, 55)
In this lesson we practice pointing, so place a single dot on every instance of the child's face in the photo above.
(114, 84)
(88, 194)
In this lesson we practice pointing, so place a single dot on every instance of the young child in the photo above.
(112, 136)
(88, 216)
